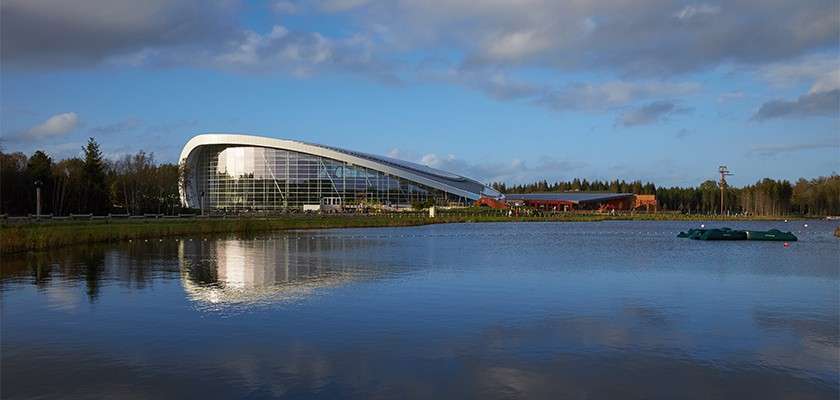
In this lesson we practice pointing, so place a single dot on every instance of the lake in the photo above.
(508, 310)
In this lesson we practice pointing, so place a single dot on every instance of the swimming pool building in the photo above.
(236, 173)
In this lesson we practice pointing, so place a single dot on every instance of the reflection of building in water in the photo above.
(264, 270)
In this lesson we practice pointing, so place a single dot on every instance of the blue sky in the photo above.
(510, 91)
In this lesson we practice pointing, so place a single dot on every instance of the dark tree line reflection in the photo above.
(134, 264)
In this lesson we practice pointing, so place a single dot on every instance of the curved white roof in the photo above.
(431, 177)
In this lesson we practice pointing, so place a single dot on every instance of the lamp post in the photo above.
(38, 185)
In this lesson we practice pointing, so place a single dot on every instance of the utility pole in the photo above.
(724, 172)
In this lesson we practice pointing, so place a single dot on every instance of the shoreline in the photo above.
(41, 236)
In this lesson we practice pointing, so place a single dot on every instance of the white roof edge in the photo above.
(207, 139)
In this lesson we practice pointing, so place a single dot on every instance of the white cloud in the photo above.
(581, 96)
(691, 11)
(812, 104)
(822, 72)
(826, 83)
(645, 43)
(516, 45)
(624, 37)
(612, 94)
(54, 126)
(395, 153)
(650, 113)
(282, 50)
(627, 37)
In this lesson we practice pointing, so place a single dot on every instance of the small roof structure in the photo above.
(570, 197)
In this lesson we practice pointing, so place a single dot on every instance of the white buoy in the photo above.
(702, 225)
(806, 225)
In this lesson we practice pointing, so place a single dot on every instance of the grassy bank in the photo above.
(51, 235)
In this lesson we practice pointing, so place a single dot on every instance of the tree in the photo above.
(39, 173)
(96, 199)
(39, 166)
(14, 185)
(710, 196)
(69, 188)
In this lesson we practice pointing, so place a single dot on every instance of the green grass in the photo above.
(55, 234)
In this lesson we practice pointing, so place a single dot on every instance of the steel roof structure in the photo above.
(422, 174)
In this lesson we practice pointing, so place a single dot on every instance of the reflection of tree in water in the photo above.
(93, 262)
(200, 269)
(136, 263)
(128, 263)
(85, 263)
(36, 266)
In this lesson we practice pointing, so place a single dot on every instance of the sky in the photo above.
(500, 91)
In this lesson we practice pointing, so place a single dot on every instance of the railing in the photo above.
(441, 214)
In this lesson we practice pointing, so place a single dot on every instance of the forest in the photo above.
(137, 184)
(767, 197)
(134, 184)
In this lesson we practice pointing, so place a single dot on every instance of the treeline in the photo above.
(133, 184)
(579, 185)
(136, 184)
(820, 196)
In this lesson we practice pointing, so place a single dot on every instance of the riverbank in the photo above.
(38, 236)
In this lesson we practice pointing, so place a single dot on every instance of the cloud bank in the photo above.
(650, 113)
(57, 33)
(55, 126)
(640, 50)
(644, 38)
(824, 104)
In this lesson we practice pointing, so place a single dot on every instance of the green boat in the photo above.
(721, 234)
(690, 233)
(732, 234)
(771, 235)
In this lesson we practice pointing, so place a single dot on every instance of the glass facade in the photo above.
(248, 178)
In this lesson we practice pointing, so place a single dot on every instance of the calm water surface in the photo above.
(528, 310)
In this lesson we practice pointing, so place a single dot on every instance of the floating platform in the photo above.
(732, 234)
